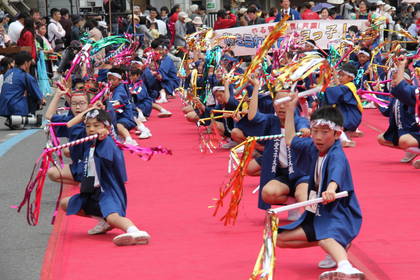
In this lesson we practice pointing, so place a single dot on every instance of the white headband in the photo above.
(320, 122)
(218, 88)
(93, 114)
(117, 75)
(364, 52)
(348, 73)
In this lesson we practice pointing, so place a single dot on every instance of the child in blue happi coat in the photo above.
(335, 223)
(403, 131)
(345, 97)
(142, 101)
(69, 173)
(121, 97)
(102, 192)
(283, 174)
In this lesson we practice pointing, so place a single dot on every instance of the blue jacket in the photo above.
(167, 69)
(20, 93)
(343, 97)
(111, 172)
(340, 220)
(298, 165)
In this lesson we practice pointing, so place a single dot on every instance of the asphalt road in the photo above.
(22, 246)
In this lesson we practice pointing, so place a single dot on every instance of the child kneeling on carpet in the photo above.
(102, 192)
(335, 223)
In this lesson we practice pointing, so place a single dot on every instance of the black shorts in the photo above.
(308, 227)
(283, 177)
(91, 205)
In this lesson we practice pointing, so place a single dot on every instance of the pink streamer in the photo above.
(369, 97)
(362, 91)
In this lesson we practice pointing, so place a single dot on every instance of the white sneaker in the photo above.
(345, 273)
(145, 134)
(162, 100)
(164, 114)
(133, 238)
(293, 215)
(131, 141)
(408, 157)
(328, 262)
(101, 227)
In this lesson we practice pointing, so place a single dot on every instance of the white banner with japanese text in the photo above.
(249, 38)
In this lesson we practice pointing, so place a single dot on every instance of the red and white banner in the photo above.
(249, 38)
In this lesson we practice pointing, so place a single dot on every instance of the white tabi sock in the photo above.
(132, 229)
(343, 137)
(344, 264)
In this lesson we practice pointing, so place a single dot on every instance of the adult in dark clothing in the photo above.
(66, 23)
(76, 29)
(252, 17)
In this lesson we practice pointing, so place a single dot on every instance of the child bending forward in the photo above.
(334, 224)
(102, 192)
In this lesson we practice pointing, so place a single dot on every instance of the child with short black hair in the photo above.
(121, 97)
(335, 223)
(102, 192)
(345, 97)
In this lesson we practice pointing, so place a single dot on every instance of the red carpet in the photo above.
(169, 197)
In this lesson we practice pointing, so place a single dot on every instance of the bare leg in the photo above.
(117, 221)
(192, 116)
(301, 193)
(275, 192)
(237, 135)
(58, 174)
(294, 239)
(407, 141)
(254, 169)
(220, 127)
(122, 131)
(334, 249)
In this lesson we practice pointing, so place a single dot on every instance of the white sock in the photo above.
(141, 126)
(140, 113)
(132, 229)
(128, 138)
(344, 263)
(162, 93)
(162, 110)
(343, 137)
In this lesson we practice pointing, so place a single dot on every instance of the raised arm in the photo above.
(290, 129)
(253, 104)
(52, 108)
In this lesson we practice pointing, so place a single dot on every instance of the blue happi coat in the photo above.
(170, 79)
(340, 220)
(125, 115)
(141, 98)
(110, 169)
(343, 97)
(73, 133)
(402, 112)
(298, 166)
(20, 93)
